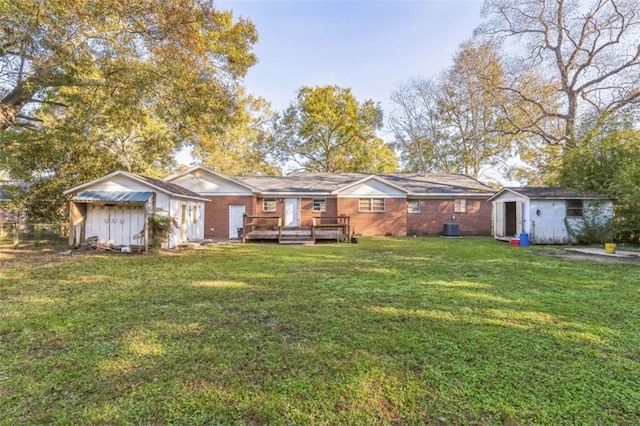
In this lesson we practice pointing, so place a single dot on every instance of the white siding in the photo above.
(372, 188)
(204, 183)
(122, 224)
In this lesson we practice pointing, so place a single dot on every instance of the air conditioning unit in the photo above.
(451, 230)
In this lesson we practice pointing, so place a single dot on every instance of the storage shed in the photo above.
(115, 209)
(545, 213)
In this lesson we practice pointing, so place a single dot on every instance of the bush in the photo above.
(159, 230)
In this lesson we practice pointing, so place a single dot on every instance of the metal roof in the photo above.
(129, 197)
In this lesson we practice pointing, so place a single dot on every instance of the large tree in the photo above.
(569, 59)
(451, 123)
(243, 147)
(186, 52)
(90, 86)
(327, 130)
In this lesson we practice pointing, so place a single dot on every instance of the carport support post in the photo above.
(146, 231)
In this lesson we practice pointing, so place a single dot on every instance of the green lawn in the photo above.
(388, 331)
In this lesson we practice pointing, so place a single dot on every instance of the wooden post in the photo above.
(146, 230)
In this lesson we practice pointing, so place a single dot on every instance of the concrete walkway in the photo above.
(601, 252)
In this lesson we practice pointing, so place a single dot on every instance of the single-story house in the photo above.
(378, 204)
(547, 215)
(115, 209)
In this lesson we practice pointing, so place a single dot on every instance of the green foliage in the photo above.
(607, 162)
(387, 331)
(89, 87)
(327, 130)
(159, 230)
(592, 228)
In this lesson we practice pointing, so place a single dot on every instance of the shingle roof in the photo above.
(431, 183)
(552, 192)
(169, 187)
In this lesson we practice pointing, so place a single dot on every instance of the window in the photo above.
(269, 205)
(574, 208)
(371, 204)
(460, 205)
(183, 217)
(413, 206)
(196, 214)
(319, 205)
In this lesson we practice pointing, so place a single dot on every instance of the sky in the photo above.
(370, 46)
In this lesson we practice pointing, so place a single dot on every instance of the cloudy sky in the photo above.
(371, 46)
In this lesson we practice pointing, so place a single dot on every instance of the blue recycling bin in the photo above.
(524, 240)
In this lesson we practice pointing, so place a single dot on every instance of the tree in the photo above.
(452, 123)
(243, 146)
(569, 59)
(180, 51)
(327, 130)
(87, 87)
(606, 162)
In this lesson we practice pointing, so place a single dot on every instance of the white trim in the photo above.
(193, 169)
(368, 178)
(137, 179)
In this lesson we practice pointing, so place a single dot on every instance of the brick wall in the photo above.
(395, 221)
(216, 214)
(435, 213)
(391, 222)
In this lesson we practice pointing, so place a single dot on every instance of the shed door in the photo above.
(291, 212)
(518, 217)
(499, 220)
(235, 220)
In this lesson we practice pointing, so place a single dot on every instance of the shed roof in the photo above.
(538, 192)
(124, 197)
(161, 185)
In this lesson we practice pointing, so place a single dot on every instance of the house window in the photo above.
(460, 205)
(269, 205)
(574, 208)
(183, 217)
(371, 204)
(413, 206)
(319, 205)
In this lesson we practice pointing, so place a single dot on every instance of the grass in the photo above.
(388, 331)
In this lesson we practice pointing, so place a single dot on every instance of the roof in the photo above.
(170, 187)
(536, 192)
(128, 197)
(414, 183)
(166, 187)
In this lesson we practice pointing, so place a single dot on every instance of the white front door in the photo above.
(291, 212)
(236, 213)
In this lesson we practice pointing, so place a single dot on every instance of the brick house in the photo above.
(380, 204)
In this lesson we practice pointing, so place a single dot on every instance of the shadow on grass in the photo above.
(386, 331)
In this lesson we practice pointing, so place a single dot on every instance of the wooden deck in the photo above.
(269, 228)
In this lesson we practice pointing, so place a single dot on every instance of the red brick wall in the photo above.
(216, 214)
(391, 222)
(307, 213)
(395, 221)
(435, 213)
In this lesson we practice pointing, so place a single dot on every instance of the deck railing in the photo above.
(258, 223)
(339, 223)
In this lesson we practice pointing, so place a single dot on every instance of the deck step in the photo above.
(299, 240)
